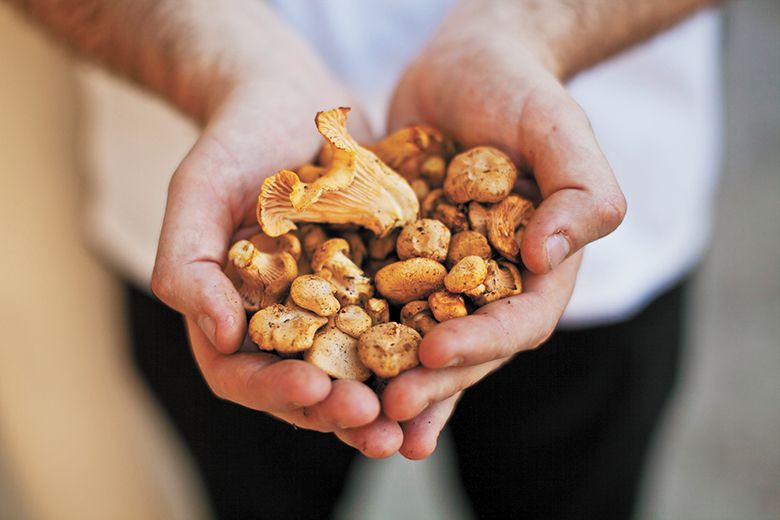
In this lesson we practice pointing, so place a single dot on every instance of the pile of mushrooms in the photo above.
(365, 252)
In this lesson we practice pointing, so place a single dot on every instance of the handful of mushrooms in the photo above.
(406, 229)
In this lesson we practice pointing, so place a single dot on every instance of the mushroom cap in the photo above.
(503, 280)
(478, 216)
(417, 315)
(357, 188)
(409, 150)
(483, 174)
(336, 353)
(380, 248)
(467, 243)
(315, 294)
(353, 320)
(446, 305)
(373, 266)
(436, 206)
(378, 309)
(421, 188)
(311, 236)
(426, 238)
(357, 248)
(388, 349)
(288, 243)
(411, 279)
(466, 274)
(264, 277)
(331, 261)
(506, 225)
(284, 329)
(332, 251)
(433, 169)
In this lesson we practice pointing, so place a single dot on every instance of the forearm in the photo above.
(192, 52)
(572, 35)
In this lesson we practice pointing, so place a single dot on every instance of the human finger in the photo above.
(260, 381)
(379, 439)
(421, 434)
(350, 404)
(581, 199)
(408, 394)
(196, 230)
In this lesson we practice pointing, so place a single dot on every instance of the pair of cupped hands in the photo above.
(476, 88)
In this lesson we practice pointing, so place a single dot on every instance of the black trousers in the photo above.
(559, 432)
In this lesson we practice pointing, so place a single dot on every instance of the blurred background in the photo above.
(81, 438)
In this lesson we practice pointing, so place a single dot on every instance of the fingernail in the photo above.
(208, 327)
(454, 362)
(558, 249)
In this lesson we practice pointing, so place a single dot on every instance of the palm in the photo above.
(260, 129)
(480, 96)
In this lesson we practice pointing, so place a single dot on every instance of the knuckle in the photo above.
(218, 390)
(161, 283)
(612, 210)
(221, 383)
(545, 336)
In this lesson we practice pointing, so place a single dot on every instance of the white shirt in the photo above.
(655, 111)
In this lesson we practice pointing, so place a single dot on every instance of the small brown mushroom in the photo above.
(373, 266)
(503, 280)
(433, 169)
(389, 349)
(353, 320)
(467, 243)
(478, 217)
(483, 174)
(263, 277)
(315, 294)
(378, 310)
(284, 243)
(284, 329)
(466, 274)
(446, 305)
(476, 292)
(357, 248)
(412, 279)
(417, 315)
(380, 248)
(506, 225)
(336, 353)
(421, 188)
(331, 261)
(437, 207)
(411, 151)
(312, 236)
(426, 238)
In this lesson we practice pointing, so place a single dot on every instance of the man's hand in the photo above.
(259, 128)
(255, 87)
(493, 75)
(499, 91)
(485, 80)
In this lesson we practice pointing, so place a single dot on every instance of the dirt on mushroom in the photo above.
(363, 269)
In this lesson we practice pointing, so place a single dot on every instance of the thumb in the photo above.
(581, 199)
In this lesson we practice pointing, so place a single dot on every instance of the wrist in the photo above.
(242, 46)
(532, 31)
